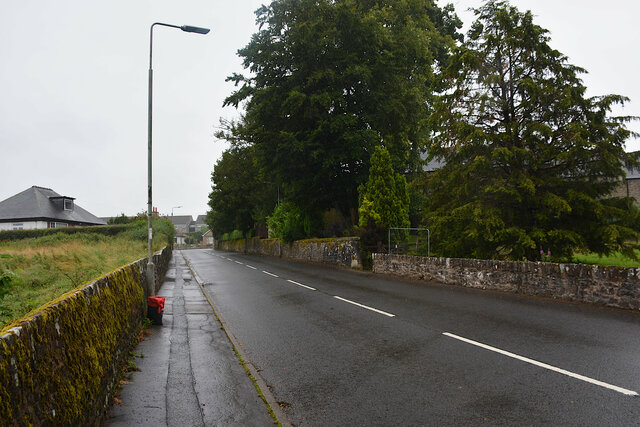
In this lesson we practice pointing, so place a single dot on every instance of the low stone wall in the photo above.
(607, 286)
(59, 366)
(344, 251)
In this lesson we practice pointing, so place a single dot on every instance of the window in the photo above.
(68, 204)
(59, 224)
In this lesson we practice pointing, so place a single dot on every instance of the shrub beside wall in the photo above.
(607, 286)
(344, 252)
(59, 366)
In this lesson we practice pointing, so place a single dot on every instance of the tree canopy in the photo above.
(332, 79)
(530, 160)
(239, 199)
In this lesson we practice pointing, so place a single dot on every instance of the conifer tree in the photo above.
(530, 160)
(384, 199)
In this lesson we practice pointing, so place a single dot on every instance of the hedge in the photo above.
(107, 230)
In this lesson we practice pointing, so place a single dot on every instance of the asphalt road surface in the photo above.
(341, 347)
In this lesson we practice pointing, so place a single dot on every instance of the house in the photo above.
(200, 223)
(207, 238)
(40, 207)
(629, 186)
(182, 224)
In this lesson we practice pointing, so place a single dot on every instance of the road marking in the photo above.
(270, 274)
(238, 262)
(365, 306)
(250, 266)
(300, 284)
(544, 365)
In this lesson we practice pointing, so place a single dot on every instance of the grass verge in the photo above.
(616, 259)
(35, 271)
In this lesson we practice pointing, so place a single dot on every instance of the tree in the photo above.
(384, 202)
(333, 79)
(384, 199)
(530, 160)
(238, 195)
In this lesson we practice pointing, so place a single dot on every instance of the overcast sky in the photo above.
(73, 90)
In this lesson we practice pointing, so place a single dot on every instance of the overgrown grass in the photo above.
(37, 270)
(616, 259)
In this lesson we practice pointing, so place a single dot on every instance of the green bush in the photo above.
(236, 235)
(163, 231)
(6, 280)
(287, 223)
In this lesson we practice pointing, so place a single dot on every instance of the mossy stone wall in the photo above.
(606, 286)
(344, 251)
(59, 365)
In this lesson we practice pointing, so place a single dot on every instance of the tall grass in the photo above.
(37, 270)
(616, 259)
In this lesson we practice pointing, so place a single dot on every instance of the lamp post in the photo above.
(150, 267)
(278, 186)
(175, 207)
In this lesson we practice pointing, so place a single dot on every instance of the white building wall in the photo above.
(25, 225)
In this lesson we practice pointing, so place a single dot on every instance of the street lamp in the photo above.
(175, 207)
(150, 267)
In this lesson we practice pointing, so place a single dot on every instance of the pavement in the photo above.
(189, 374)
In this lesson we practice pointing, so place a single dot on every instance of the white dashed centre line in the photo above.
(238, 262)
(270, 274)
(384, 313)
(300, 284)
(250, 266)
(544, 365)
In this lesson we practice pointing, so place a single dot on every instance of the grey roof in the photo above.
(632, 173)
(436, 164)
(181, 219)
(201, 219)
(39, 203)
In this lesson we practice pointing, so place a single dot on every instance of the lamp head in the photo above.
(191, 29)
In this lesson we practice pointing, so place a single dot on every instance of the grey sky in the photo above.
(73, 79)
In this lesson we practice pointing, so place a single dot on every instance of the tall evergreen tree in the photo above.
(331, 80)
(530, 160)
(384, 198)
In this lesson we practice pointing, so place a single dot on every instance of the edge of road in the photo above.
(261, 386)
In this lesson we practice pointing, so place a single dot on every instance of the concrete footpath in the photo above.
(189, 374)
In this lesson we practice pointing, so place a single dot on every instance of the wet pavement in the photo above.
(189, 374)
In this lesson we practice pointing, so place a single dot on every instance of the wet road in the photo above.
(339, 347)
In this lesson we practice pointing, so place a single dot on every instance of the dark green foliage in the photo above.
(239, 199)
(7, 278)
(109, 230)
(530, 160)
(332, 80)
(288, 223)
(122, 219)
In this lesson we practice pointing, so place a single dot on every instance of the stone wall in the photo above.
(59, 366)
(344, 252)
(607, 286)
(630, 187)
